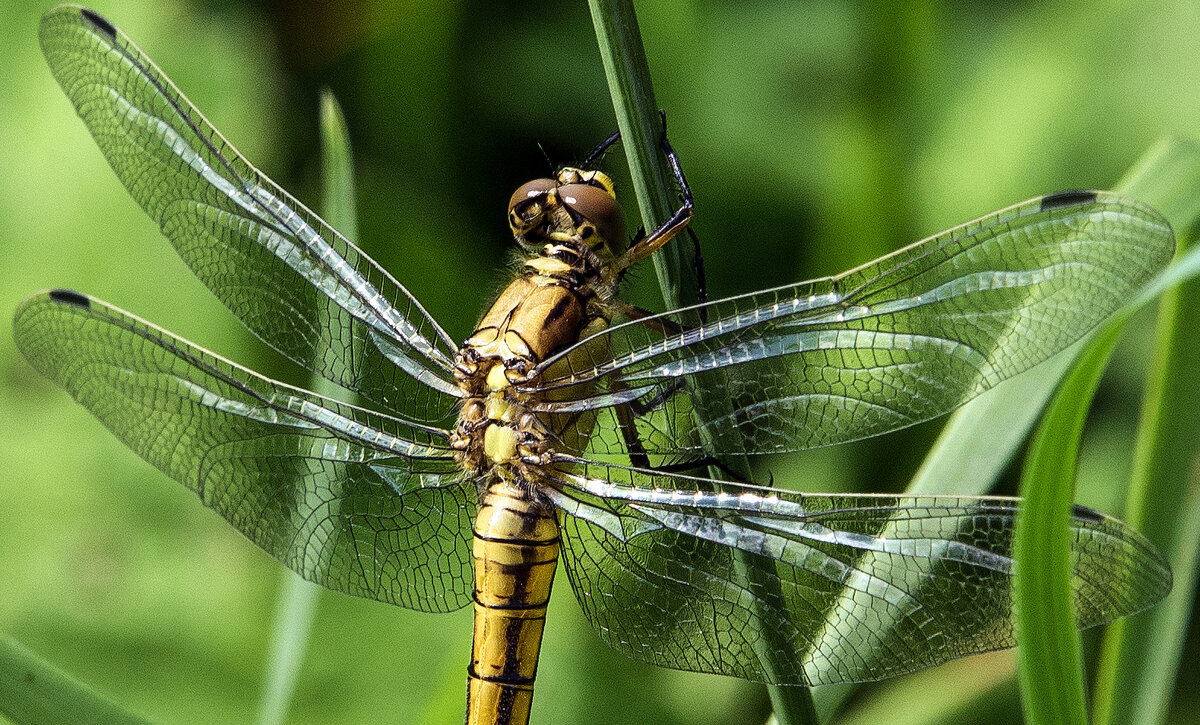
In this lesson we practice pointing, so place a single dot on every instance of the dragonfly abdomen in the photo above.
(516, 548)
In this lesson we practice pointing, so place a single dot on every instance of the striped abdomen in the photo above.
(516, 553)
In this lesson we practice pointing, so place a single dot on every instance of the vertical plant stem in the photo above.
(637, 113)
(296, 606)
(632, 92)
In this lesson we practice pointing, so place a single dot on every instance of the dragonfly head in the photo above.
(576, 207)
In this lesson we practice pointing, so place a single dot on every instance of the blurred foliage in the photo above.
(816, 136)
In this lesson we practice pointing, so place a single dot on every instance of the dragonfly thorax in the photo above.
(497, 367)
(495, 430)
(573, 228)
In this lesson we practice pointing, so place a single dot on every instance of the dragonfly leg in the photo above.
(646, 244)
(660, 325)
(705, 462)
(639, 458)
(701, 280)
(651, 242)
(686, 192)
(590, 160)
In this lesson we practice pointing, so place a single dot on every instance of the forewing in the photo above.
(791, 588)
(362, 503)
(288, 276)
(898, 341)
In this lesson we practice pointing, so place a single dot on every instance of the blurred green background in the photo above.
(816, 136)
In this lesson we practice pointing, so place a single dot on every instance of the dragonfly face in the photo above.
(577, 207)
(556, 429)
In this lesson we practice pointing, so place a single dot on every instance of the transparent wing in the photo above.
(287, 275)
(362, 503)
(791, 588)
(895, 342)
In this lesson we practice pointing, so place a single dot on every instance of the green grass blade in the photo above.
(295, 608)
(1157, 636)
(297, 602)
(1050, 656)
(1167, 177)
(632, 92)
(34, 691)
(337, 169)
(1140, 656)
(1050, 660)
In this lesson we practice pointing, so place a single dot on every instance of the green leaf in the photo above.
(1051, 666)
(1049, 656)
(34, 691)
(1140, 656)
(337, 168)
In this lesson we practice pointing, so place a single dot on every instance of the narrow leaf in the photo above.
(296, 607)
(1050, 657)
(1140, 657)
(1051, 667)
(36, 692)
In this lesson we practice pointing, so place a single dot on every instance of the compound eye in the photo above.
(601, 223)
(528, 205)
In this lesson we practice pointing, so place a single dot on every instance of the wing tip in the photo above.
(1083, 513)
(99, 22)
(71, 297)
(1073, 197)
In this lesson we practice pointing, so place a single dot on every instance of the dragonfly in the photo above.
(436, 475)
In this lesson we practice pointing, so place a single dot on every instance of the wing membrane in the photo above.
(289, 277)
(362, 503)
(898, 341)
(827, 588)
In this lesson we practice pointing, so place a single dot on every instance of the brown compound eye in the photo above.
(527, 207)
(601, 224)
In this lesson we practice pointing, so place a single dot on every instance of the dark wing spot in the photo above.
(1086, 514)
(70, 297)
(1067, 198)
(100, 22)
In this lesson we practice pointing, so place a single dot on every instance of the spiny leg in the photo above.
(590, 160)
(646, 318)
(651, 242)
(646, 244)
(640, 458)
